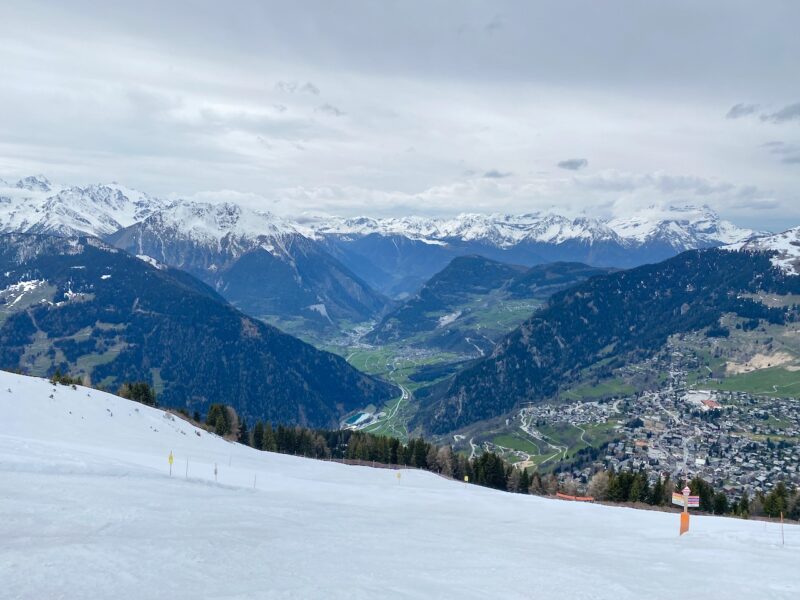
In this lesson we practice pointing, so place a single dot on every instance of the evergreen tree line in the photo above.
(633, 486)
(489, 469)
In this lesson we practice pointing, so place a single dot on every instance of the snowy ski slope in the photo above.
(88, 510)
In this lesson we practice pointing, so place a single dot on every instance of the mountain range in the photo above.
(357, 262)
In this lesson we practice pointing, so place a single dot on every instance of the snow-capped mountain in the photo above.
(398, 254)
(35, 205)
(226, 229)
(395, 255)
(682, 228)
(258, 261)
(785, 245)
(499, 230)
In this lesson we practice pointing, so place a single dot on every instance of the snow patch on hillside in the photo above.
(150, 261)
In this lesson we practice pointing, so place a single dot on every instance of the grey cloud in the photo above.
(741, 110)
(573, 164)
(697, 185)
(667, 184)
(495, 174)
(293, 87)
(787, 113)
(789, 153)
(330, 109)
(495, 24)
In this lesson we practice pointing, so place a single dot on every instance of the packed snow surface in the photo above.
(88, 510)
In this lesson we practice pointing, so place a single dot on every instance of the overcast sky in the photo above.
(412, 107)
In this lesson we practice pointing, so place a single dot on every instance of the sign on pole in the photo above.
(171, 459)
(693, 501)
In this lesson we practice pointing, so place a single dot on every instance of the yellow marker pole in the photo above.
(171, 459)
(466, 480)
(398, 478)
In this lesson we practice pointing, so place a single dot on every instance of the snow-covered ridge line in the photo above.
(682, 227)
(36, 205)
(785, 245)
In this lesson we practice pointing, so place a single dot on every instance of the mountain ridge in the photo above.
(93, 310)
(605, 320)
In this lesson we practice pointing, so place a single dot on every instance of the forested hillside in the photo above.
(94, 311)
(606, 321)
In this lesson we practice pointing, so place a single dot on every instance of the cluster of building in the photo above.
(738, 442)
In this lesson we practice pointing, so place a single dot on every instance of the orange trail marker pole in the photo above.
(685, 513)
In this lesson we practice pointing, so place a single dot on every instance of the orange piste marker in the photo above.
(685, 513)
(684, 522)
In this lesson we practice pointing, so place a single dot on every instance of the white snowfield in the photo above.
(88, 510)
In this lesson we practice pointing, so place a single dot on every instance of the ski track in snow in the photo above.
(88, 510)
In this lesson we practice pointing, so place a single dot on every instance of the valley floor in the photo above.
(88, 510)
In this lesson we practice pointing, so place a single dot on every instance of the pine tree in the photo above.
(269, 442)
(244, 435)
(524, 482)
(258, 436)
(220, 427)
(720, 503)
(420, 453)
(743, 508)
